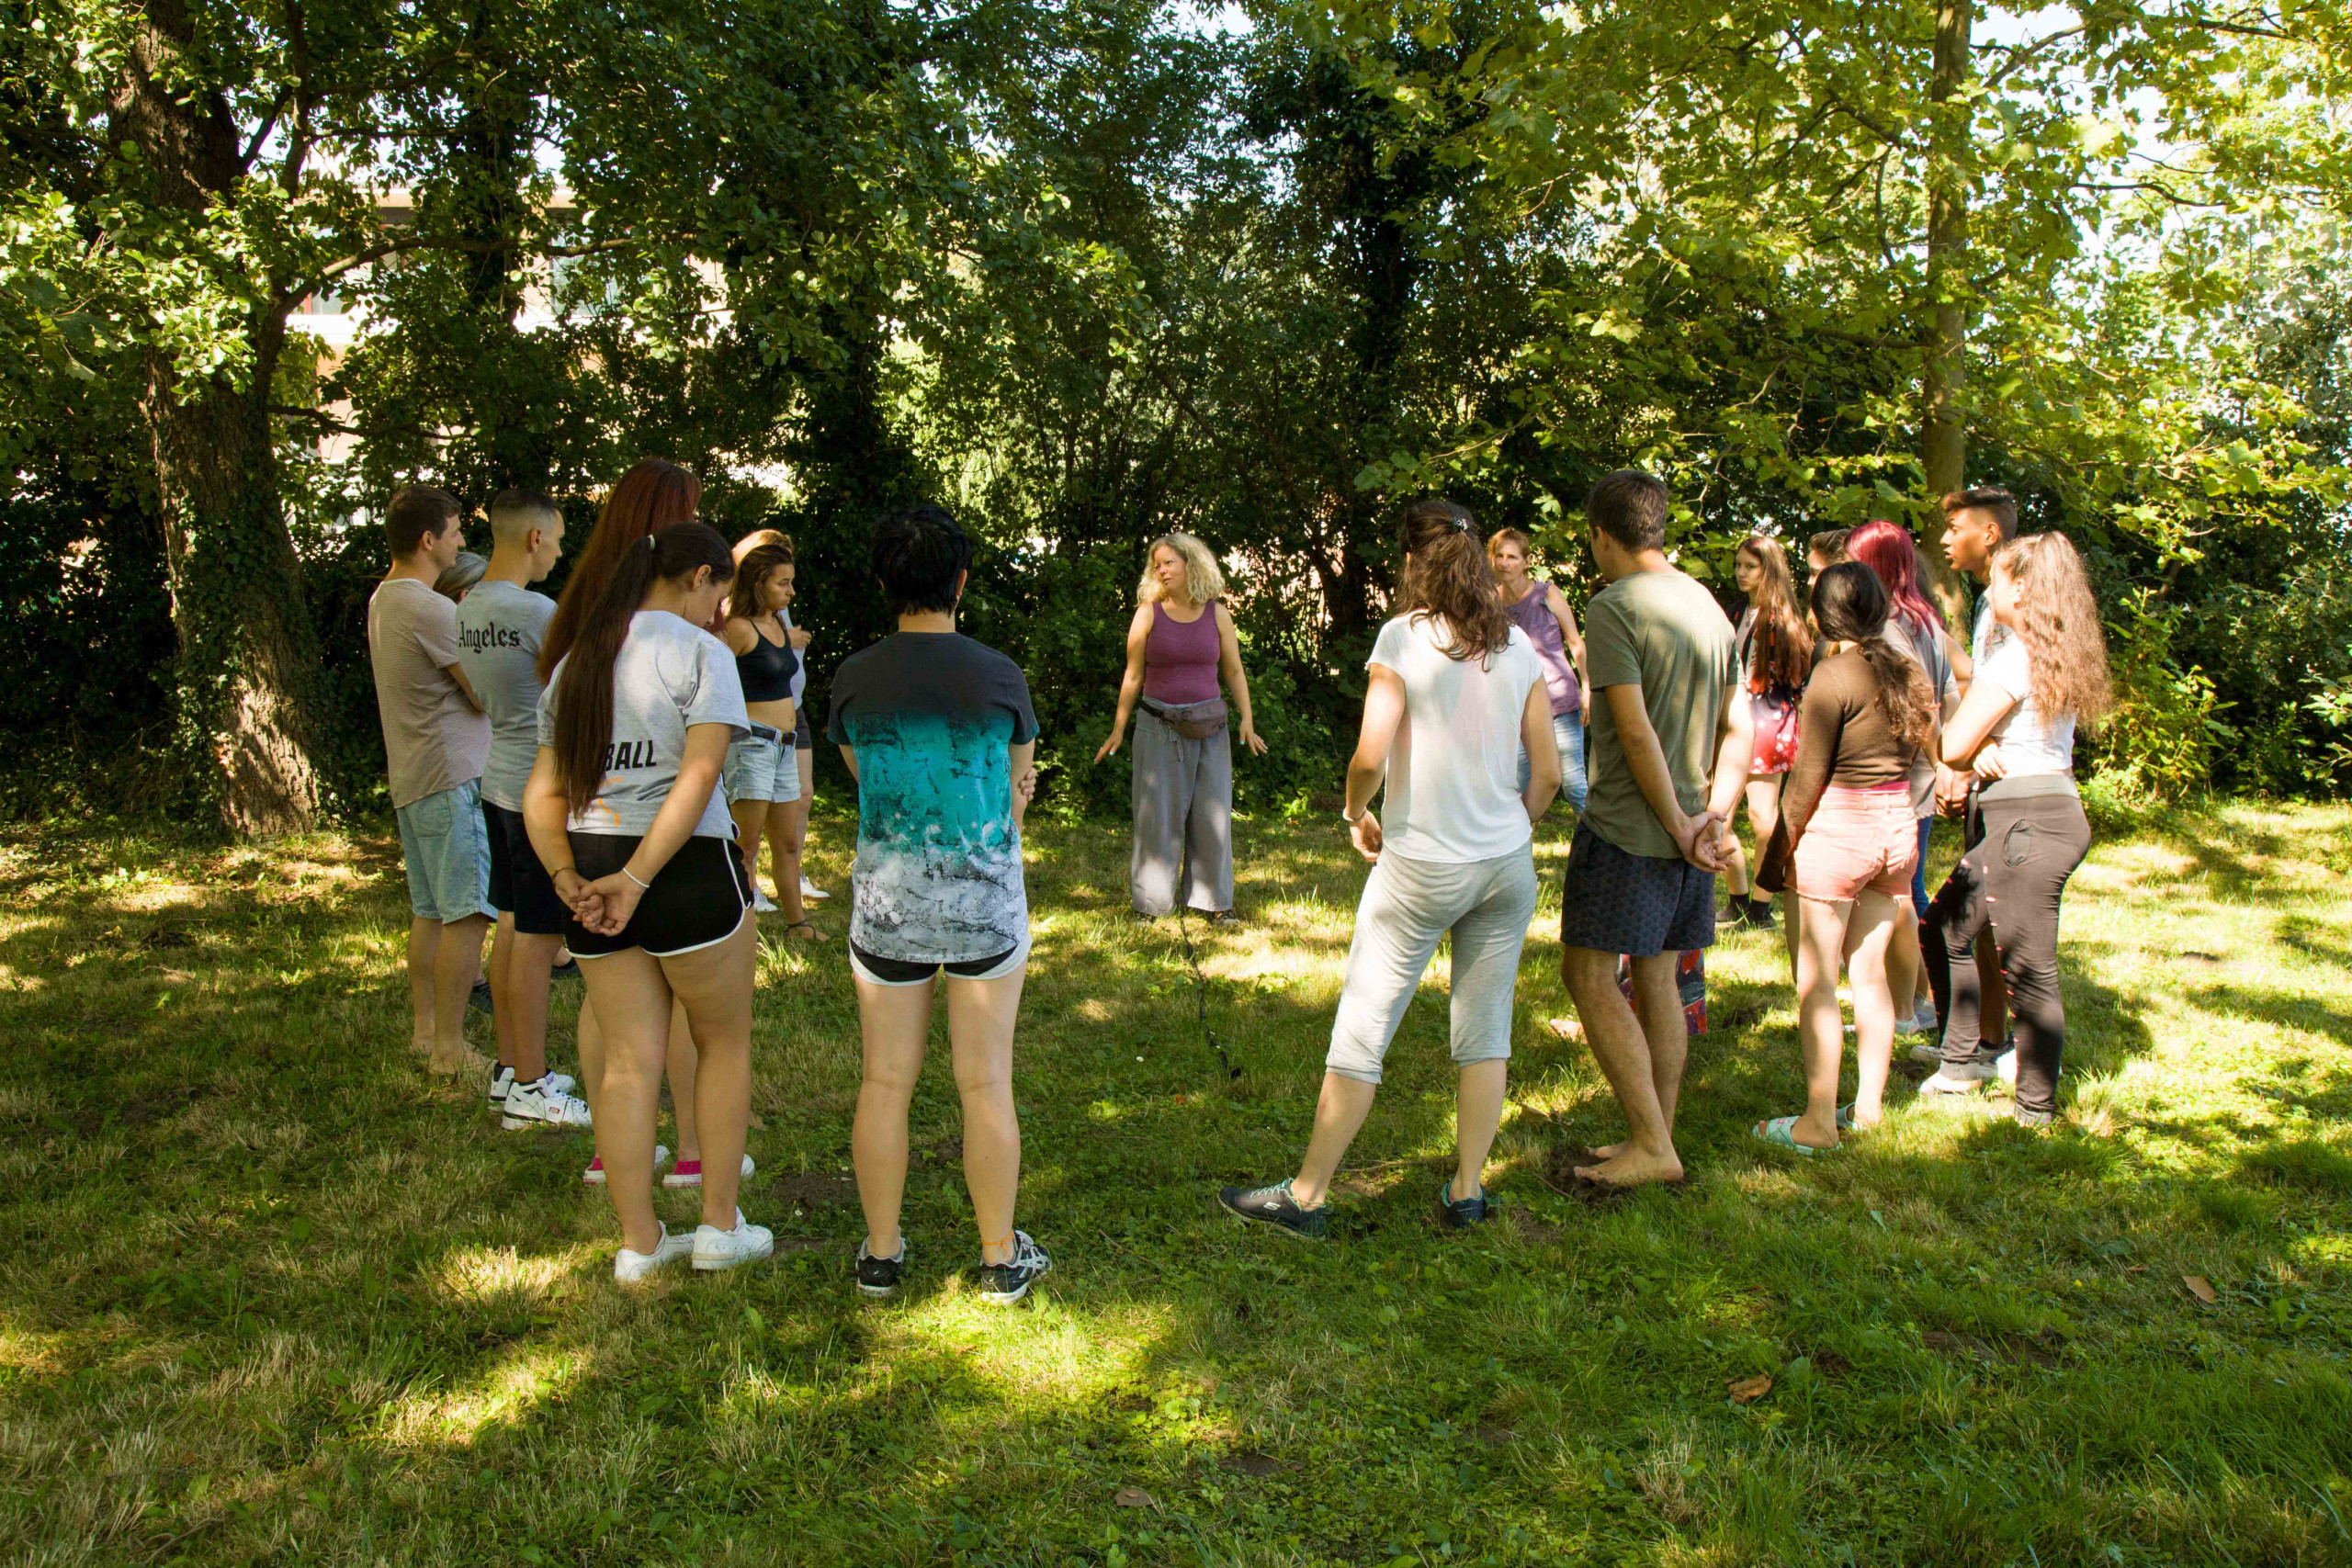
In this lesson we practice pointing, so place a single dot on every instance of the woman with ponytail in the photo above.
(1866, 714)
(2015, 731)
(1775, 657)
(1455, 695)
(624, 810)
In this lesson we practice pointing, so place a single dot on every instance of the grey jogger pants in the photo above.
(1407, 904)
(1183, 818)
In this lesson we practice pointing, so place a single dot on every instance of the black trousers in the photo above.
(2009, 883)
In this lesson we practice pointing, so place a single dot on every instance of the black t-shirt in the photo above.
(938, 876)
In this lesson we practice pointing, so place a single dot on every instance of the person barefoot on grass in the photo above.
(1866, 711)
(435, 741)
(1456, 703)
(763, 770)
(1670, 746)
(500, 622)
(939, 733)
(623, 806)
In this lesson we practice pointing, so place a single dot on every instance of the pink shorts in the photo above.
(1859, 840)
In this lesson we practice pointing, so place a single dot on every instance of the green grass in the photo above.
(271, 1295)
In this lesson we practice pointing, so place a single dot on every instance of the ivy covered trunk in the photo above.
(246, 646)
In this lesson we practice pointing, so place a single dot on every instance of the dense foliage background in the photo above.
(1092, 271)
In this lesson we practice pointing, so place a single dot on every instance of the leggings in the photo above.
(2011, 882)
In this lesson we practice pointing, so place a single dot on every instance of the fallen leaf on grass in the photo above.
(2202, 1289)
(1134, 1498)
(1747, 1391)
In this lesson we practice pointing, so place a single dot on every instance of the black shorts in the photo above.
(1614, 901)
(695, 901)
(904, 971)
(519, 885)
(803, 737)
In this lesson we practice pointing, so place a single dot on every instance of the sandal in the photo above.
(808, 926)
(1780, 1133)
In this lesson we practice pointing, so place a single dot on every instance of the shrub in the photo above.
(2157, 743)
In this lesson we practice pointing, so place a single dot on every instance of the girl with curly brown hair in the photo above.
(2015, 730)
(1775, 658)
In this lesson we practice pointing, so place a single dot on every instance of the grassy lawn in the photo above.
(271, 1295)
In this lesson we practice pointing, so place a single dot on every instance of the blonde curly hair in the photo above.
(2058, 622)
(1203, 583)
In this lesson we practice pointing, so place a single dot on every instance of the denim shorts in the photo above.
(446, 847)
(1567, 735)
(760, 766)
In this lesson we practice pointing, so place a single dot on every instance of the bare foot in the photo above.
(1631, 1167)
(452, 1067)
(1607, 1151)
(1566, 1028)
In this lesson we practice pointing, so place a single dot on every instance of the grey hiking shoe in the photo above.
(1461, 1213)
(1273, 1206)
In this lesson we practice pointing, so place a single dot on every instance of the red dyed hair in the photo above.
(654, 495)
(1886, 549)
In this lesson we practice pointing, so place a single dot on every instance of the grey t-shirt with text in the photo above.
(669, 677)
(499, 628)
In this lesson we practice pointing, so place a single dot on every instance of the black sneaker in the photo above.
(478, 999)
(1001, 1284)
(1273, 1206)
(879, 1276)
(1460, 1214)
(1759, 913)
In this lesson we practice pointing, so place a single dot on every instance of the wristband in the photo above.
(639, 880)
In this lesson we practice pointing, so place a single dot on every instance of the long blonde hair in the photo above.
(1204, 584)
(2058, 622)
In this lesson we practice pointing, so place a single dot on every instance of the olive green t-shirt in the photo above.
(1663, 631)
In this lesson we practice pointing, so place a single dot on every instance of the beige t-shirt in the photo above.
(433, 739)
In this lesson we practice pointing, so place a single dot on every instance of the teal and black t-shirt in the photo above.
(938, 872)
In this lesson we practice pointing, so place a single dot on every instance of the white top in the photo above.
(2030, 742)
(669, 677)
(1988, 635)
(499, 630)
(799, 660)
(1452, 790)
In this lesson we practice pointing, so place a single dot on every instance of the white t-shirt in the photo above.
(668, 677)
(2030, 741)
(499, 629)
(1452, 790)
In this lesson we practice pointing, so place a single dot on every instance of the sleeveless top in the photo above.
(1533, 615)
(766, 672)
(1180, 660)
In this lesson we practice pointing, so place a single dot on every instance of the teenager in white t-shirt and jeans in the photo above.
(1455, 696)
(624, 810)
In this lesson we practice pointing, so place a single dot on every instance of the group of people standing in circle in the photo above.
(596, 772)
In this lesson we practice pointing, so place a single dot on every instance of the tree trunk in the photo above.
(247, 645)
(1943, 434)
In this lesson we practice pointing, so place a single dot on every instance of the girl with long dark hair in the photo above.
(1775, 658)
(1866, 714)
(1456, 694)
(1887, 549)
(2015, 730)
(623, 808)
(762, 769)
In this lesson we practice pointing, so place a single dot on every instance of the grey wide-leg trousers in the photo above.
(1183, 818)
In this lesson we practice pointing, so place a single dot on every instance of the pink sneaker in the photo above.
(594, 1175)
(688, 1173)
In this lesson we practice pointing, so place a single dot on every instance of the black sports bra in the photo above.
(767, 670)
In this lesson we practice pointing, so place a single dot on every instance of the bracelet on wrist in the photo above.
(648, 886)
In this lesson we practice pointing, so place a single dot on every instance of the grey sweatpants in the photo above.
(1407, 904)
(1183, 818)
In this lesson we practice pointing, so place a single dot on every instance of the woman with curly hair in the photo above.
(2016, 731)
(1775, 658)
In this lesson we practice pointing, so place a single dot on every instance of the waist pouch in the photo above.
(1193, 721)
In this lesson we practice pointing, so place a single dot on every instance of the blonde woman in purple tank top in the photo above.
(1541, 612)
(1181, 642)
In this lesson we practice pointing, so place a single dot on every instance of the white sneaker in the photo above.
(537, 1105)
(1931, 1054)
(594, 1175)
(688, 1173)
(760, 903)
(631, 1267)
(502, 1080)
(747, 1243)
(2004, 1067)
(562, 1083)
(810, 890)
(1962, 1080)
(1924, 1019)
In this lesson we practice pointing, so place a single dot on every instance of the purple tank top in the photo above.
(1535, 617)
(1180, 660)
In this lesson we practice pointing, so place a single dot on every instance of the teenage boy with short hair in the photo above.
(499, 627)
(436, 740)
(1669, 740)
(1977, 522)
